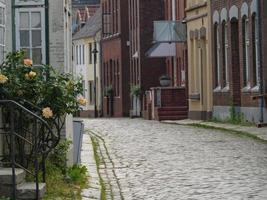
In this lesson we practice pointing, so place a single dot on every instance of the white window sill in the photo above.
(217, 89)
(226, 89)
(246, 89)
(256, 89)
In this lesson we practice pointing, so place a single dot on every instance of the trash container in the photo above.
(78, 130)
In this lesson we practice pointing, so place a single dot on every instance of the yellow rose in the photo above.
(32, 74)
(27, 75)
(82, 101)
(28, 62)
(3, 79)
(47, 113)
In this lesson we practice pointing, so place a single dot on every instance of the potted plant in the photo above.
(165, 81)
(109, 91)
(136, 91)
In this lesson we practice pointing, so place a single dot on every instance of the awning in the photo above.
(162, 50)
(169, 31)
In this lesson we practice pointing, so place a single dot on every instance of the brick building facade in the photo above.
(144, 71)
(115, 58)
(239, 72)
(177, 66)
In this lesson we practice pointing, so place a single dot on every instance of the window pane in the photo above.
(36, 20)
(2, 16)
(24, 39)
(37, 56)
(36, 38)
(24, 20)
(1, 55)
(26, 53)
(2, 36)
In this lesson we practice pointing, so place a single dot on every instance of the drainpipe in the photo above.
(174, 59)
(260, 67)
(13, 25)
(47, 32)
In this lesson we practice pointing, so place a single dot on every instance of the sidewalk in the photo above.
(260, 133)
(88, 160)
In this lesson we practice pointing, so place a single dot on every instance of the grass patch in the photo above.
(60, 186)
(233, 132)
(99, 161)
(62, 182)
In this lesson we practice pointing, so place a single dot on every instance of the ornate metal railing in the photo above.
(27, 139)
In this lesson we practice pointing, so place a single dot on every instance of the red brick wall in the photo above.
(235, 59)
(144, 71)
(114, 48)
(181, 56)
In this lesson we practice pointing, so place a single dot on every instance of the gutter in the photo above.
(13, 25)
(259, 32)
(47, 52)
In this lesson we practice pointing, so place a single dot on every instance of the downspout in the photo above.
(47, 60)
(13, 26)
(259, 35)
(174, 59)
(100, 76)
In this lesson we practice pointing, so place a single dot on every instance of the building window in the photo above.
(225, 54)
(2, 32)
(90, 57)
(118, 78)
(255, 45)
(91, 89)
(77, 55)
(83, 54)
(217, 56)
(30, 33)
(80, 54)
(245, 36)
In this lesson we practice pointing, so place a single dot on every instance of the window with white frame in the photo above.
(245, 35)
(217, 56)
(30, 31)
(83, 55)
(90, 57)
(255, 43)
(80, 54)
(77, 55)
(2, 31)
(225, 53)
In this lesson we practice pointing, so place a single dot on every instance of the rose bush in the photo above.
(55, 94)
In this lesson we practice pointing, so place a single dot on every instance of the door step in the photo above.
(24, 190)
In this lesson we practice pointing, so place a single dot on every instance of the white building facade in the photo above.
(85, 42)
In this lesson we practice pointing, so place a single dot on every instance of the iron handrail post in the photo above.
(12, 153)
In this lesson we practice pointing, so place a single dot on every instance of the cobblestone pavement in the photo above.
(155, 161)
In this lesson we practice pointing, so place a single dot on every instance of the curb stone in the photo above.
(259, 133)
(88, 160)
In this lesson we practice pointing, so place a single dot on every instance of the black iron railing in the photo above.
(27, 140)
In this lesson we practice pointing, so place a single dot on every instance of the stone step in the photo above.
(27, 191)
(161, 118)
(6, 176)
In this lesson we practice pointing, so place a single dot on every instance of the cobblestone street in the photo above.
(154, 161)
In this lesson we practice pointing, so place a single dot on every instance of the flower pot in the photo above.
(165, 82)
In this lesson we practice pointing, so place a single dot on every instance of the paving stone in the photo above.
(170, 162)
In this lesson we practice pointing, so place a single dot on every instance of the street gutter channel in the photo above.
(101, 152)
